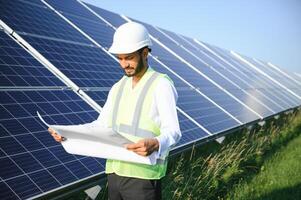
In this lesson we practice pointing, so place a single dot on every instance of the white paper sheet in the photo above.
(101, 143)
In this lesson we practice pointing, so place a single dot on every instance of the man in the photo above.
(142, 107)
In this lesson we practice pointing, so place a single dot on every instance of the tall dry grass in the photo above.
(209, 173)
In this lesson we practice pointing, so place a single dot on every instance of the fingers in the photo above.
(50, 130)
(56, 136)
(134, 146)
(143, 147)
(144, 151)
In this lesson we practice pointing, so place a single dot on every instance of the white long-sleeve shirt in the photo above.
(163, 112)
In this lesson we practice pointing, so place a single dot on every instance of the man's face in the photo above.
(131, 63)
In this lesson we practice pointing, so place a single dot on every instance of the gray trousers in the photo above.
(126, 188)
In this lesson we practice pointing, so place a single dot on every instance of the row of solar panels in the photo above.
(53, 60)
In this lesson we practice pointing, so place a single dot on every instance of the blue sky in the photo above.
(269, 30)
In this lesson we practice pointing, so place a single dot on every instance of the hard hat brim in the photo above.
(128, 48)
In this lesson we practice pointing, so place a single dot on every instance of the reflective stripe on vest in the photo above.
(116, 105)
(133, 129)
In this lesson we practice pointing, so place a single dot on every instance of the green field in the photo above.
(279, 177)
(239, 168)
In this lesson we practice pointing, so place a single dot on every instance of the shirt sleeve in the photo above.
(165, 99)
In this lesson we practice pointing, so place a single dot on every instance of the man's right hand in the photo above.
(55, 136)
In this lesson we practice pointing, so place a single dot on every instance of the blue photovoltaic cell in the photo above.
(19, 68)
(31, 161)
(190, 131)
(217, 73)
(274, 74)
(32, 18)
(111, 17)
(296, 77)
(230, 72)
(297, 80)
(23, 187)
(86, 21)
(99, 96)
(284, 96)
(258, 80)
(204, 112)
(86, 66)
(254, 87)
(199, 108)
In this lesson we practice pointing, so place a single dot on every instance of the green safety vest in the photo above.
(130, 117)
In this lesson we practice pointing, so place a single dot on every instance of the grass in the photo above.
(211, 171)
(279, 177)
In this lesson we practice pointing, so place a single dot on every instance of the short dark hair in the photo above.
(141, 49)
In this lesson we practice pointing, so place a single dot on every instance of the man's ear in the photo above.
(145, 53)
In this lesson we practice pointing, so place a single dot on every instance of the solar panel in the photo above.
(282, 95)
(98, 95)
(19, 68)
(31, 161)
(217, 92)
(214, 64)
(279, 81)
(111, 17)
(291, 76)
(86, 21)
(190, 133)
(226, 80)
(275, 74)
(85, 65)
(296, 76)
(218, 73)
(190, 100)
(35, 18)
(63, 46)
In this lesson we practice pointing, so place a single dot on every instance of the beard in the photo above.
(136, 71)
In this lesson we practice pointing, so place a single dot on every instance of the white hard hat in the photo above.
(130, 37)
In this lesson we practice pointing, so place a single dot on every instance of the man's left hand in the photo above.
(144, 147)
